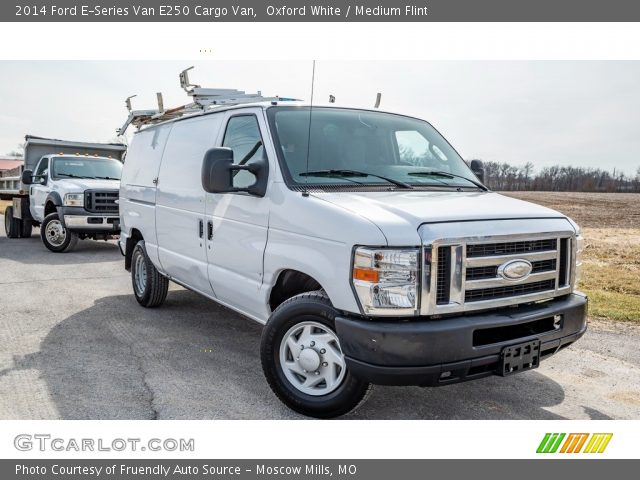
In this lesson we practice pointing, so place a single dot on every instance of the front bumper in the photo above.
(78, 219)
(430, 352)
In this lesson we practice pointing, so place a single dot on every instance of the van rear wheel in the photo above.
(150, 287)
(55, 236)
(303, 362)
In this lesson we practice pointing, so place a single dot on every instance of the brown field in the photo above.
(4, 204)
(611, 262)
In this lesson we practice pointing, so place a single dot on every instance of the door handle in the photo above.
(200, 228)
(209, 230)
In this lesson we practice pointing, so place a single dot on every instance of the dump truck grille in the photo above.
(99, 201)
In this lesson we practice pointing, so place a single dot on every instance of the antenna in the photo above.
(313, 81)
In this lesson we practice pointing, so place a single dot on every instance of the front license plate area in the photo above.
(521, 357)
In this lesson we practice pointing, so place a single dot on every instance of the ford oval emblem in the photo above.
(515, 269)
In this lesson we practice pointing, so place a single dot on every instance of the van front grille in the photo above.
(509, 291)
(510, 248)
(499, 273)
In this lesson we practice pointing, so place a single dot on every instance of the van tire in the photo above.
(65, 239)
(150, 287)
(310, 307)
(11, 224)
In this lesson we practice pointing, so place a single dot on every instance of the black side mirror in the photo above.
(478, 169)
(27, 177)
(218, 171)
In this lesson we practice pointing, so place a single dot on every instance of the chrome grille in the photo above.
(468, 274)
(508, 248)
(99, 201)
(509, 291)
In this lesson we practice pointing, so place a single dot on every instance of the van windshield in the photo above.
(80, 167)
(349, 147)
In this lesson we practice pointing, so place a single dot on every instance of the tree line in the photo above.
(503, 176)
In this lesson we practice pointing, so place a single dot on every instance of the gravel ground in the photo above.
(74, 344)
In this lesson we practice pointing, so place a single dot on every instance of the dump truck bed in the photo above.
(36, 147)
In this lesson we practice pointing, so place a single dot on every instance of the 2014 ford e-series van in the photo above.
(365, 245)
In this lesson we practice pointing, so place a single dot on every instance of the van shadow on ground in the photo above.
(193, 359)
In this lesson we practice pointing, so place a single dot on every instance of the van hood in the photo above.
(396, 209)
(81, 184)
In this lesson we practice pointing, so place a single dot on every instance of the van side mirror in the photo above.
(27, 177)
(218, 171)
(477, 168)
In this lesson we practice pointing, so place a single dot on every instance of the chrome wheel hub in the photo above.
(55, 233)
(311, 358)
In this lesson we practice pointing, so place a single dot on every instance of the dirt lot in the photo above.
(611, 227)
(74, 344)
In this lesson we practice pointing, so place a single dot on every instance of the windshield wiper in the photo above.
(441, 173)
(352, 173)
(71, 175)
(106, 178)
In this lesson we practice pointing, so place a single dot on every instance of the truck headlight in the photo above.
(73, 200)
(578, 261)
(386, 280)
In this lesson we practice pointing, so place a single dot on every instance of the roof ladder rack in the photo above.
(203, 98)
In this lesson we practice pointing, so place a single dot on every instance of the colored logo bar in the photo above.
(574, 443)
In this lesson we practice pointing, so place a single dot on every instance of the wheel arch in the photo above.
(289, 283)
(52, 202)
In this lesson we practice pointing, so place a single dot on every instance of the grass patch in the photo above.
(611, 272)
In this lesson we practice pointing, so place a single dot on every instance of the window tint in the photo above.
(243, 137)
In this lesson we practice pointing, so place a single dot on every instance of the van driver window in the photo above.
(243, 137)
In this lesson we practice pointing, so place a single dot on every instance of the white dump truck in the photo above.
(69, 189)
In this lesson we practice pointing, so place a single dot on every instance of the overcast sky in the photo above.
(550, 112)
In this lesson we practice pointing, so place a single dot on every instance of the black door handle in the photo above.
(200, 228)
(209, 230)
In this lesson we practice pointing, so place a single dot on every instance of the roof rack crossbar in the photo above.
(203, 99)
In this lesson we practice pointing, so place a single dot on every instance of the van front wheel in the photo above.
(303, 362)
(150, 287)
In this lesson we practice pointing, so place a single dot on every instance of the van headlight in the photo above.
(73, 200)
(386, 280)
(577, 268)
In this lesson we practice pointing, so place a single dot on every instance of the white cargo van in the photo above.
(360, 239)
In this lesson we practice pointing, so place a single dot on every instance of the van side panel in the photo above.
(180, 202)
(137, 187)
